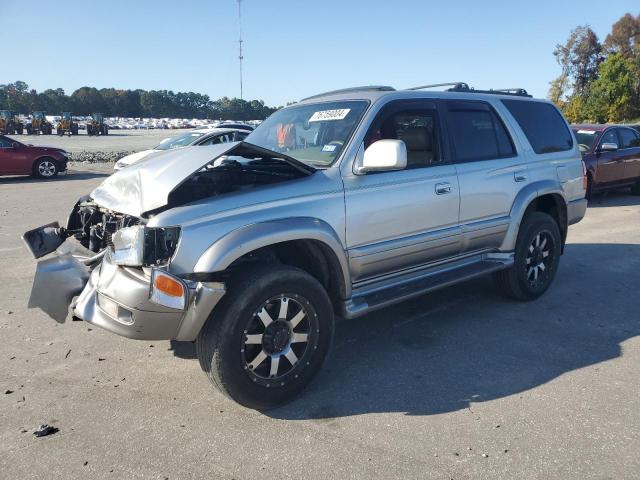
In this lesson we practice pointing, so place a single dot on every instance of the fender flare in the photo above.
(224, 251)
(522, 201)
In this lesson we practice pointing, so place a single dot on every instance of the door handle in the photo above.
(443, 188)
(520, 176)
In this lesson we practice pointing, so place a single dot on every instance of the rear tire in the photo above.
(256, 354)
(537, 257)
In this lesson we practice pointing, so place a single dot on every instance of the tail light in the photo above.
(584, 176)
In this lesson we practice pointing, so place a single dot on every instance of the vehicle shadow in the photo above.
(614, 198)
(186, 350)
(466, 344)
(71, 176)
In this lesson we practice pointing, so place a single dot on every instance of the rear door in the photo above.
(630, 152)
(490, 172)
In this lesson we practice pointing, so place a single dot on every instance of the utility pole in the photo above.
(240, 57)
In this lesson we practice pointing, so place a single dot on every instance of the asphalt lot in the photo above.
(459, 384)
(117, 140)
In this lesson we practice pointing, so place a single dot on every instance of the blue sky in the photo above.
(293, 48)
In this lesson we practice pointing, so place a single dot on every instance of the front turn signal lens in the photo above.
(167, 290)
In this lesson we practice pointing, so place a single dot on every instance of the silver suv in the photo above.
(341, 204)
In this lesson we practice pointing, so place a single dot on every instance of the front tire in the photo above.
(46, 168)
(635, 190)
(537, 257)
(268, 337)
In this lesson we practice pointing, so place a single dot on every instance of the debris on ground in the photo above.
(8, 392)
(67, 353)
(101, 359)
(44, 430)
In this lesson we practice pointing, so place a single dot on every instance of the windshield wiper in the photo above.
(248, 149)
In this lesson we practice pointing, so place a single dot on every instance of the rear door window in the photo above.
(542, 124)
(628, 138)
(477, 133)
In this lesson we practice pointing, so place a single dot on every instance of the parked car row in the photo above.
(12, 123)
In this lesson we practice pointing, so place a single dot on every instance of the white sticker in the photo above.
(588, 132)
(329, 148)
(324, 115)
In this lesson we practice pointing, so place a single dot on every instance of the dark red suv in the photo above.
(612, 156)
(19, 159)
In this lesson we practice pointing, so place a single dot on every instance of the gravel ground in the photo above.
(459, 384)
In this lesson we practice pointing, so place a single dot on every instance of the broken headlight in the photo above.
(143, 246)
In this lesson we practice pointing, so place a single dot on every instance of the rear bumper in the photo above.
(117, 299)
(576, 210)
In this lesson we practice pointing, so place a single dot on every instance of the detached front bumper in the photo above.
(117, 299)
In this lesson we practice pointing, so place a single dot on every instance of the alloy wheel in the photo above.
(46, 168)
(278, 339)
(539, 259)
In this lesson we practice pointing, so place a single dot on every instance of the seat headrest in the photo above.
(417, 138)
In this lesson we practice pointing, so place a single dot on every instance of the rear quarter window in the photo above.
(542, 124)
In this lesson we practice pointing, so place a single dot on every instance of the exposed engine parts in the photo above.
(93, 226)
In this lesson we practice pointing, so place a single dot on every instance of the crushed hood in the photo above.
(146, 185)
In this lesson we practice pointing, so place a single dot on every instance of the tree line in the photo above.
(600, 81)
(19, 98)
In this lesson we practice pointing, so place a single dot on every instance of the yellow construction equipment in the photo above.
(67, 125)
(39, 124)
(9, 123)
(96, 125)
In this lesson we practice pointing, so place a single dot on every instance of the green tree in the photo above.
(613, 96)
(625, 37)
(579, 57)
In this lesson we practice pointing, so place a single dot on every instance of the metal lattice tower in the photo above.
(240, 57)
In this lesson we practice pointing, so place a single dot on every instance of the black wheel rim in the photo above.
(279, 339)
(539, 261)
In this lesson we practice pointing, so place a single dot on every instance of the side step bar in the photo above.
(382, 293)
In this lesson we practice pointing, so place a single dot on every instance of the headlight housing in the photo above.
(144, 246)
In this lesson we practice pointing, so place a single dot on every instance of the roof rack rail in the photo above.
(379, 88)
(454, 85)
(464, 87)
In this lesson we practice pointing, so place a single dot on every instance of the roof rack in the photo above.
(454, 85)
(379, 88)
(463, 87)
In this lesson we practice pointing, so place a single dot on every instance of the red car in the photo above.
(19, 159)
(611, 154)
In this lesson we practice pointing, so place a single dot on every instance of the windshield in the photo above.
(586, 139)
(312, 134)
(180, 141)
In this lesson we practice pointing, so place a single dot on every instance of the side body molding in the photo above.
(246, 239)
(524, 198)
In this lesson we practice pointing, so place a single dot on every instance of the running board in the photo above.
(381, 293)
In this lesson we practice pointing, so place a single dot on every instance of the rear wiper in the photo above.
(249, 148)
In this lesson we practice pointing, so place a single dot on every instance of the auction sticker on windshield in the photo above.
(588, 132)
(324, 115)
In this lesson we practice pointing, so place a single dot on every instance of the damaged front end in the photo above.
(92, 232)
(113, 269)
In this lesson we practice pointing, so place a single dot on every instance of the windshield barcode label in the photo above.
(324, 115)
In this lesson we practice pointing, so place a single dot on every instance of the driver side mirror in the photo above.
(383, 156)
(609, 147)
(15, 145)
